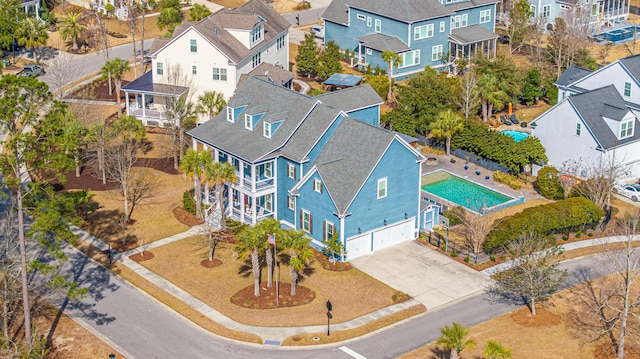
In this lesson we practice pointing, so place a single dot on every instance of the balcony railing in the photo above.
(151, 113)
(260, 184)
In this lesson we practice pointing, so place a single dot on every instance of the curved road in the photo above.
(140, 326)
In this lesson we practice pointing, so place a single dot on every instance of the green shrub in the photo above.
(466, 258)
(492, 258)
(188, 201)
(511, 181)
(315, 92)
(379, 83)
(454, 254)
(548, 183)
(566, 215)
(565, 237)
(578, 234)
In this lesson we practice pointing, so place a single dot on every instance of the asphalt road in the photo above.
(141, 327)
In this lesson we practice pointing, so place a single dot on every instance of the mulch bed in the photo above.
(98, 90)
(186, 218)
(267, 299)
(326, 263)
(210, 264)
(141, 257)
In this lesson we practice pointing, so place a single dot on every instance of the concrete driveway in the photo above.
(429, 277)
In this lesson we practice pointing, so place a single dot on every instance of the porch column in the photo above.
(241, 174)
(242, 206)
(126, 102)
(144, 105)
(254, 213)
(253, 177)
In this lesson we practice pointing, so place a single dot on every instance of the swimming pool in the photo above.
(516, 135)
(462, 192)
(619, 35)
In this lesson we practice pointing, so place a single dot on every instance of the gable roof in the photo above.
(571, 75)
(145, 84)
(472, 34)
(270, 72)
(593, 105)
(244, 17)
(352, 98)
(381, 42)
(348, 159)
(337, 12)
(632, 64)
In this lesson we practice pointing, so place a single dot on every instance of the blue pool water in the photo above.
(619, 35)
(516, 135)
(462, 192)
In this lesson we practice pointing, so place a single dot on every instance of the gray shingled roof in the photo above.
(348, 158)
(145, 84)
(603, 102)
(381, 42)
(403, 10)
(472, 34)
(270, 72)
(337, 12)
(632, 63)
(251, 146)
(470, 4)
(319, 120)
(157, 44)
(242, 17)
(571, 75)
(352, 98)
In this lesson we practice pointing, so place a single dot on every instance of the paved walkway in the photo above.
(270, 335)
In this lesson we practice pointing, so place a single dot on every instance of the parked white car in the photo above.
(631, 191)
(318, 31)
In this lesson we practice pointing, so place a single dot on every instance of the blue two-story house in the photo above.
(423, 32)
(320, 164)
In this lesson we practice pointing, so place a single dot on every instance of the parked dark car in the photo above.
(31, 71)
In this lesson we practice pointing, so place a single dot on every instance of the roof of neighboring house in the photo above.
(632, 63)
(343, 80)
(593, 105)
(472, 34)
(349, 157)
(402, 10)
(381, 42)
(214, 27)
(278, 104)
(145, 84)
(352, 98)
(270, 72)
(571, 75)
(157, 44)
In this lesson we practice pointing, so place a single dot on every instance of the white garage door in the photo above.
(358, 246)
(394, 234)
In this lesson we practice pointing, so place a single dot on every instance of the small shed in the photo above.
(340, 81)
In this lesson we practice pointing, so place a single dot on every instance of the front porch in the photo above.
(466, 41)
(149, 102)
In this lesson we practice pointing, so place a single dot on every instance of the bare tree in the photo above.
(133, 21)
(181, 112)
(469, 99)
(97, 33)
(9, 272)
(475, 228)
(534, 274)
(607, 308)
(593, 180)
(61, 71)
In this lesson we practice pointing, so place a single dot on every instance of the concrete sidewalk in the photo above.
(269, 335)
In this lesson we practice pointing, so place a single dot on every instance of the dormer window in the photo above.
(257, 34)
(626, 129)
(267, 130)
(248, 122)
(230, 116)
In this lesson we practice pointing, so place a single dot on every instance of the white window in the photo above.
(546, 11)
(230, 116)
(159, 68)
(317, 185)
(291, 171)
(627, 89)
(422, 32)
(256, 34)
(193, 45)
(268, 170)
(626, 129)
(459, 21)
(369, 52)
(256, 60)
(369, 21)
(594, 10)
(382, 188)
(306, 221)
(219, 74)
(268, 202)
(291, 203)
(485, 16)
(248, 122)
(267, 130)
(532, 9)
(329, 230)
(442, 26)
(280, 43)
(436, 53)
(578, 127)
(194, 69)
(410, 58)
(361, 17)
(378, 27)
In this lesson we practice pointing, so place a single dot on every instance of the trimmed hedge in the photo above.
(188, 201)
(559, 217)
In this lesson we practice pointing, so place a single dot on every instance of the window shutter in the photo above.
(301, 218)
(321, 187)
(310, 224)
(324, 230)
(295, 172)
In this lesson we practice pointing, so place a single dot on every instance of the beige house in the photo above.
(210, 55)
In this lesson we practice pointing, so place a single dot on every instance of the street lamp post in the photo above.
(329, 316)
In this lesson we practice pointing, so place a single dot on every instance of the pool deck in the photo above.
(444, 163)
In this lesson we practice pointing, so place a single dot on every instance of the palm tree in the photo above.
(219, 174)
(116, 68)
(210, 103)
(99, 136)
(300, 255)
(71, 27)
(32, 34)
(492, 95)
(270, 226)
(495, 350)
(198, 12)
(453, 339)
(447, 124)
(393, 60)
(195, 165)
(250, 243)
